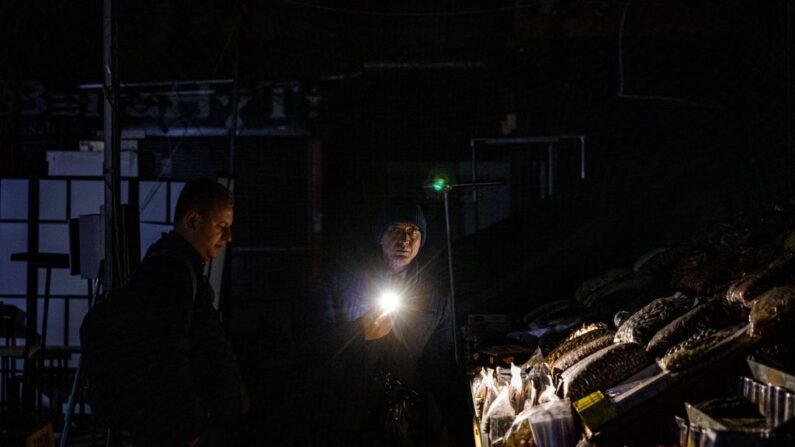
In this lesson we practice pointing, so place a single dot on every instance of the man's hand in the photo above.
(375, 328)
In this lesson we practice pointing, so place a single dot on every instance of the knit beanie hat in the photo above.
(395, 211)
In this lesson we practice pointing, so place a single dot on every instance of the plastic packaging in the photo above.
(499, 417)
(771, 309)
(516, 389)
(485, 396)
(521, 432)
(553, 425)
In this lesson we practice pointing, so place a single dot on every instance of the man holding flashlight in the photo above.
(388, 337)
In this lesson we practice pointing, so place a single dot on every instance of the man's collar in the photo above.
(180, 243)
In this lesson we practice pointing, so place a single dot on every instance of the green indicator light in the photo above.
(439, 183)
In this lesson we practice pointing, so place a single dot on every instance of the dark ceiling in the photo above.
(61, 40)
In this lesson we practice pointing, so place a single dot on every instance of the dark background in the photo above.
(687, 118)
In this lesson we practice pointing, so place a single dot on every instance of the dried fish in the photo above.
(712, 315)
(789, 242)
(695, 349)
(574, 343)
(551, 310)
(772, 308)
(780, 272)
(585, 328)
(572, 357)
(694, 261)
(602, 369)
(593, 284)
(643, 324)
(660, 261)
(628, 286)
(646, 257)
(712, 275)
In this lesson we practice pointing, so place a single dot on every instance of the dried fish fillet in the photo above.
(708, 315)
(602, 369)
(593, 284)
(789, 241)
(582, 351)
(695, 349)
(631, 285)
(643, 324)
(574, 343)
(780, 272)
(660, 261)
(552, 309)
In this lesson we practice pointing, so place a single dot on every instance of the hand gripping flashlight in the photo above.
(389, 301)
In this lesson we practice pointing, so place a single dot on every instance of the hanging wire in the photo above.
(191, 120)
(414, 14)
(470, 12)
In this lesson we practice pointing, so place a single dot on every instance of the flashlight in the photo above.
(389, 301)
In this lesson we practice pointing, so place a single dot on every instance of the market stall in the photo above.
(691, 346)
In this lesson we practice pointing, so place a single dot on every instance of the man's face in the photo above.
(208, 234)
(400, 244)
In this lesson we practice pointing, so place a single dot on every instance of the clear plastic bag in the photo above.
(770, 310)
(485, 394)
(553, 425)
(516, 389)
(521, 432)
(499, 416)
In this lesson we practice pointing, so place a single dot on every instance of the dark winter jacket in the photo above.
(191, 378)
(418, 352)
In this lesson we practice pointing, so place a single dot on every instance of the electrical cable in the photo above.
(413, 14)
(190, 122)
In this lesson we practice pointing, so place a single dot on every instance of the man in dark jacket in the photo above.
(191, 390)
(385, 369)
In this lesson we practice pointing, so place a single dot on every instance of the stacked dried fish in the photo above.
(695, 349)
(593, 284)
(780, 272)
(551, 310)
(660, 261)
(694, 261)
(582, 347)
(643, 324)
(763, 246)
(716, 272)
(789, 241)
(711, 315)
(572, 343)
(771, 309)
(625, 288)
(602, 369)
(552, 341)
(722, 234)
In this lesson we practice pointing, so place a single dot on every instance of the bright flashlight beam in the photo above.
(389, 301)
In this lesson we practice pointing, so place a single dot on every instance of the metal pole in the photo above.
(788, 82)
(46, 313)
(582, 157)
(472, 143)
(450, 268)
(112, 138)
(32, 300)
(235, 93)
(550, 168)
